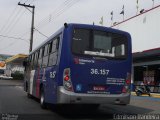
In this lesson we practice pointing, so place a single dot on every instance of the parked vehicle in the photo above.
(4, 77)
(143, 90)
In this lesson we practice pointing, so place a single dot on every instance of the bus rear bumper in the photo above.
(67, 97)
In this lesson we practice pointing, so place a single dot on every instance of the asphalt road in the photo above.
(14, 101)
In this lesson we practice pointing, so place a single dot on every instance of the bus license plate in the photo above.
(99, 88)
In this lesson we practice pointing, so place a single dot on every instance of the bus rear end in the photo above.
(97, 65)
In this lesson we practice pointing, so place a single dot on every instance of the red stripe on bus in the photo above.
(38, 83)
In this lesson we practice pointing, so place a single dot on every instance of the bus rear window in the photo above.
(81, 41)
(99, 43)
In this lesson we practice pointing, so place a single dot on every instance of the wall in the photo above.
(144, 30)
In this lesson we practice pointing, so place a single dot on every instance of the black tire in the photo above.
(26, 86)
(76, 108)
(94, 106)
(27, 90)
(29, 95)
(90, 107)
(122, 104)
(42, 99)
(138, 93)
(149, 94)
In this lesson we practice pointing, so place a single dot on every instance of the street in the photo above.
(80, 60)
(14, 101)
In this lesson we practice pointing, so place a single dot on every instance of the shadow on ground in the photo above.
(103, 112)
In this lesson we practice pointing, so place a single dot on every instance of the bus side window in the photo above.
(40, 58)
(57, 44)
(45, 56)
(35, 60)
(50, 47)
(53, 51)
(120, 50)
(54, 45)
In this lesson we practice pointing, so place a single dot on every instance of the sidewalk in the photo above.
(11, 82)
(156, 95)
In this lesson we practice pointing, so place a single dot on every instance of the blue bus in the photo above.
(81, 64)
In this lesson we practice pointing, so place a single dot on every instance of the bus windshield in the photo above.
(99, 43)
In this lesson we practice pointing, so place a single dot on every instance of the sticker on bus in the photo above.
(83, 61)
(115, 81)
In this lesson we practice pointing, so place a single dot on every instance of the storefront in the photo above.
(3, 57)
(146, 69)
(14, 64)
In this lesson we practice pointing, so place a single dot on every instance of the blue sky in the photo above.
(51, 14)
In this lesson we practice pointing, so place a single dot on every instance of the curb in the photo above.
(155, 95)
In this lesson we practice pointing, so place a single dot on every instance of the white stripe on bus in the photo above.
(31, 81)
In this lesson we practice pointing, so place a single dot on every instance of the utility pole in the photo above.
(32, 24)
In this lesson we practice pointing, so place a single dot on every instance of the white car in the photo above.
(4, 77)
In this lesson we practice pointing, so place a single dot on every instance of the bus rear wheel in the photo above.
(42, 99)
(29, 95)
(27, 90)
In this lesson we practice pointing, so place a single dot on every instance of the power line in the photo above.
(18, 18)
(70, 5)
(41, 33)
(15, 22)
(56, 11)
(11, 19)
(47, 18)
(25, 33)
(43, 21)
(32, 23)
(67, 3)
(10, 22)
(51, 15)
(9, 45)
(12, 25)
(17, 38)
(54, 16)
(8, 19)
(63, 7)
(28, 28)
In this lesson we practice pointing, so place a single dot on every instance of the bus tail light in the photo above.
(124, 90)
(128, 79)
(67, 79)
(126, 87)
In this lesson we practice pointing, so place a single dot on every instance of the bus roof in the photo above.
(97, 27)
(47, 40)
(79, 25)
